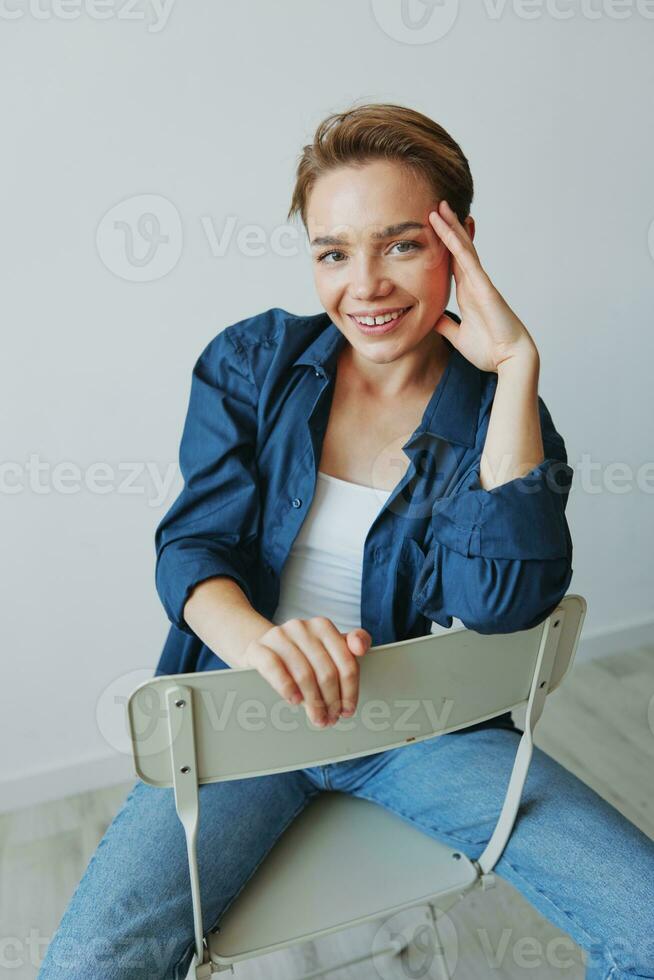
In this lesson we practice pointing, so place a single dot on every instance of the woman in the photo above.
(351, 478)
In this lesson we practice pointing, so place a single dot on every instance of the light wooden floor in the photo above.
(598, 724)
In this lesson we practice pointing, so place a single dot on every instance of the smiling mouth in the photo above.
(380, 319)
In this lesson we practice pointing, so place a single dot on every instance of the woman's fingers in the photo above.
(287, 671)
(273, 670)
(347, 662)
(326, 641)
(312, 657)
(313, 645)
(301, 670)
(328, 650)
(447, 226)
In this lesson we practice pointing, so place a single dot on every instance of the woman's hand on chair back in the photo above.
(311, 661)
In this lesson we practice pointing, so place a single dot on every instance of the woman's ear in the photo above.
(469, 225)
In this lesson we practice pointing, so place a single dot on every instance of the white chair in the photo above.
(187, 729)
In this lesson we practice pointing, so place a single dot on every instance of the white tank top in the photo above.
(322, 575)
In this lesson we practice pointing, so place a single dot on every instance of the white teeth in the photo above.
(373, 321)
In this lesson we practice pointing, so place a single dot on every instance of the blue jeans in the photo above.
(575, 858)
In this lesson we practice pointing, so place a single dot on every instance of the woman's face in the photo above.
(374, 251)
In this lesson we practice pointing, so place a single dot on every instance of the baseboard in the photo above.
(84, 775)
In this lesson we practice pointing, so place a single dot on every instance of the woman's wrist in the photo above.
(220, 614)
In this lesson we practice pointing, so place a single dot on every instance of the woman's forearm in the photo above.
(218, 611)
(514, 443)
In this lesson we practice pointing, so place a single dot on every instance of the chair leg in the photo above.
(439, 948)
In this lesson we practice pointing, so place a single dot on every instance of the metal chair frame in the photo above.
(175, 745)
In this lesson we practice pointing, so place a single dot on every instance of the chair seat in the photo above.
(343, 860)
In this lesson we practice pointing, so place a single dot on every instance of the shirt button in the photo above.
(317, 373)
(296, 502)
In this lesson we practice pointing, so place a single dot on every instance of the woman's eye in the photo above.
(325, 255)
(413, 245)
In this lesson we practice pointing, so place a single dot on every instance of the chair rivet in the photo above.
(185, 769)
(557, 623)
(180, 703)
(542, 684)
(456, 856)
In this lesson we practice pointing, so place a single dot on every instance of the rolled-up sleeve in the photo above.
(501, 559)
(211, 528)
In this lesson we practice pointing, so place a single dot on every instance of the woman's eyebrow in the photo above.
(388, 232)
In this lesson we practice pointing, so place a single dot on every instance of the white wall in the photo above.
(207, 106)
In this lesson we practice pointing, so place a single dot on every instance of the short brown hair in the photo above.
(382, 130)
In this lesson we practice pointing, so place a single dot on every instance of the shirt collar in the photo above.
(453, 410)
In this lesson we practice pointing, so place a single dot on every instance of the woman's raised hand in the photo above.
(310, 661)
(490, 333)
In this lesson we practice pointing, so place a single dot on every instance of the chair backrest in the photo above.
(231, 724)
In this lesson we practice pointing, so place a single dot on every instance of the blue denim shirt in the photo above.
(440, 547)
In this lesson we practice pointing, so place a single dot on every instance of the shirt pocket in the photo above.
(408, 621)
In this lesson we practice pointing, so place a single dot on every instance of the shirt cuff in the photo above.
(523, 518)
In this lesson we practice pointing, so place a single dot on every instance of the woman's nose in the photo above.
(368, 281)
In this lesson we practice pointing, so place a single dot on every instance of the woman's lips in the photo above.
(382, 328)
